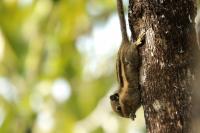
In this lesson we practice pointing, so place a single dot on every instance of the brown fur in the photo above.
(126, 100)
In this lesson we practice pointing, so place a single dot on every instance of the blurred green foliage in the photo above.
(47, 83)
(38, 46)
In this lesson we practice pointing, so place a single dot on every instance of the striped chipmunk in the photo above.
(127, 99)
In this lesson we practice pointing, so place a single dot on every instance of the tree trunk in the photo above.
(167, 61)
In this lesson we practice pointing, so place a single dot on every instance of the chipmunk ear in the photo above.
(114, 97)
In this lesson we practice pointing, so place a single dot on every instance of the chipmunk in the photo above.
(127, 99)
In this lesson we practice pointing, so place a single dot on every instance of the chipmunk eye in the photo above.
(118, 108)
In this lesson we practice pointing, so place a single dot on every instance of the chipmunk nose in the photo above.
(114, 97)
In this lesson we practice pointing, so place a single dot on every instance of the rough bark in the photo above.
(196, 93)
(167, 61)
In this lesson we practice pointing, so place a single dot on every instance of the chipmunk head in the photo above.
(114, 100)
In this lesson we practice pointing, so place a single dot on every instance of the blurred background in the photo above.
(57, 67)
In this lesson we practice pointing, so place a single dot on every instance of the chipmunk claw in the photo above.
(132, 116)
(140, 37)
